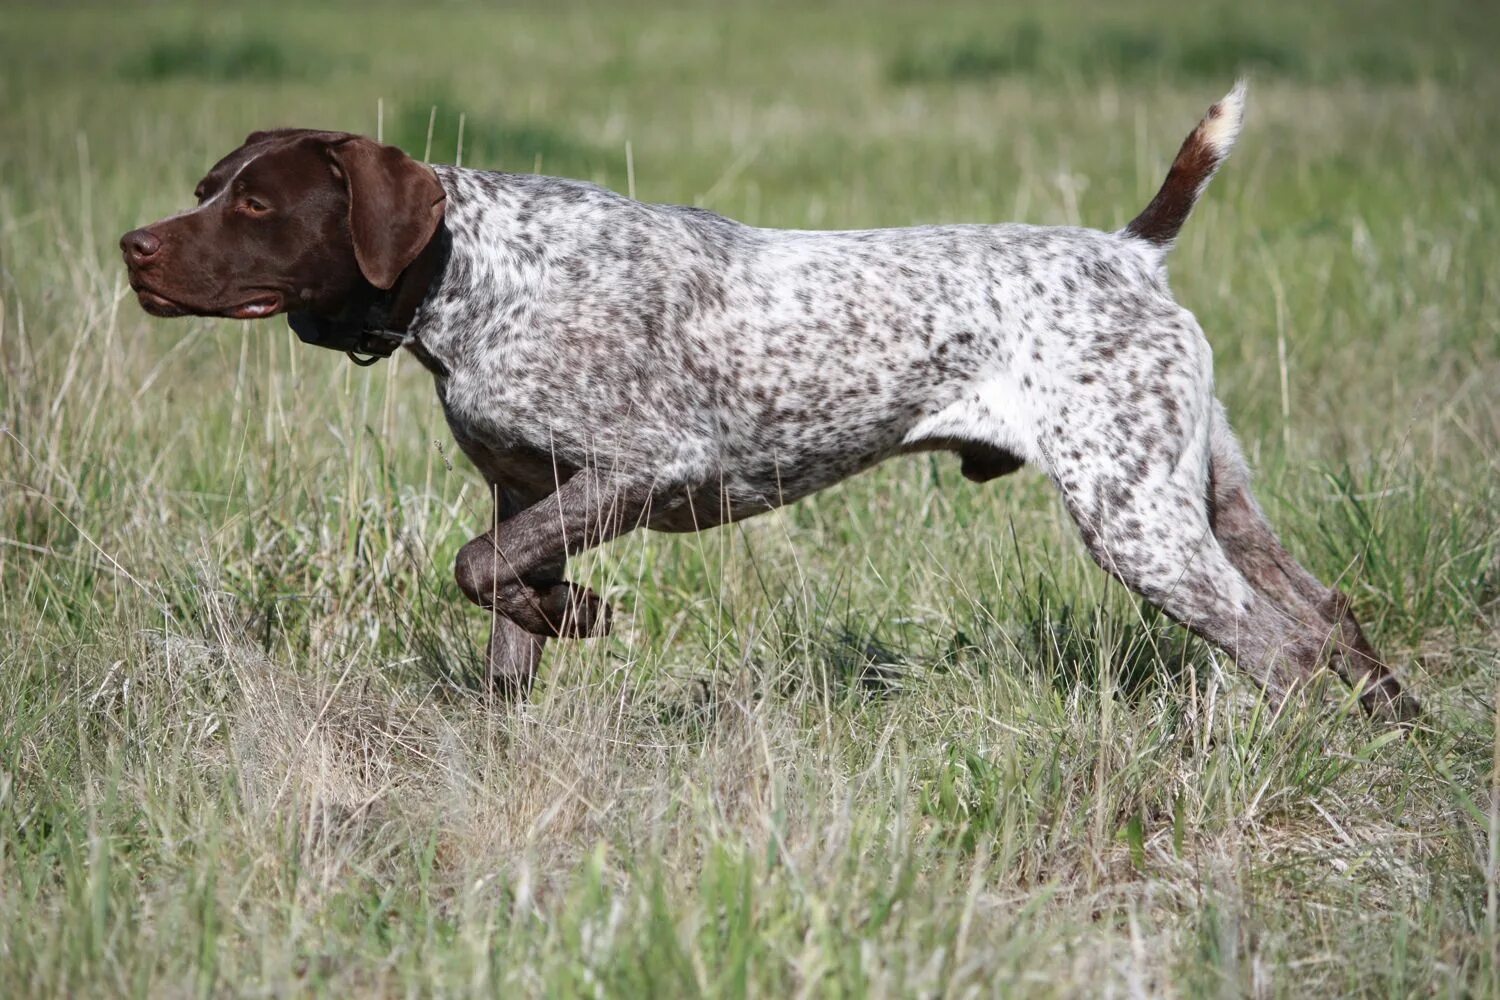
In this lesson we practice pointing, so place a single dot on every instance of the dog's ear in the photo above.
(395, 206)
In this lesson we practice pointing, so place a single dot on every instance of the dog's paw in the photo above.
(573, 612)
(1387, 701)
(555, 610)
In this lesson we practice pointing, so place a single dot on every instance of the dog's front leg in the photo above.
(513, 657)
(514, 654)
(516, 568)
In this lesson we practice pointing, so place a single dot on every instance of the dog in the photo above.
(608, 364)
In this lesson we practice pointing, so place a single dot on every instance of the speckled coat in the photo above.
(708, 370)
(581, 325)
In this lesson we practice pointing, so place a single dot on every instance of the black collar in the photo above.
(373, 325)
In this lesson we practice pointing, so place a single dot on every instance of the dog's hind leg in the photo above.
(1133, 467)
(1252, 545)
(1151, 532)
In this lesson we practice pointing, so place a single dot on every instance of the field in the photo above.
(901, 739)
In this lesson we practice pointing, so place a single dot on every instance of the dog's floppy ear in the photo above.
(395, 206)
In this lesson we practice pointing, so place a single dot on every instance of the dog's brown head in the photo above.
(295, 219)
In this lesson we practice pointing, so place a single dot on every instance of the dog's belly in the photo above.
(741, 492)
(742, 496)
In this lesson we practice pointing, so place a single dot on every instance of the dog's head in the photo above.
(293, 220)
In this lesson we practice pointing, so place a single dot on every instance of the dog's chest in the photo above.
(497, 443)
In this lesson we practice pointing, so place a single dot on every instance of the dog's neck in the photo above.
(374, 323)
(504, 231)
(507, 234)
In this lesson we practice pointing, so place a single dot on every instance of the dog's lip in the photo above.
(156, 304)
(262, 305)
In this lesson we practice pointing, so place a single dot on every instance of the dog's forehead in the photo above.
(275, 147)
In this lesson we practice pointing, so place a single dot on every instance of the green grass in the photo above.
(1138, 50)
(901, 739)
(220, 60)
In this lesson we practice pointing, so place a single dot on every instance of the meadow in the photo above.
(903, 738)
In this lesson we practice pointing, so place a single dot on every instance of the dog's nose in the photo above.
(139, 246)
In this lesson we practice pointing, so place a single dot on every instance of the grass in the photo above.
(902, 738)
(427, 124)
(1208, 53)
(204, 57)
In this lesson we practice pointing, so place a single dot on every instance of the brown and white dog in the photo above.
(609, 364)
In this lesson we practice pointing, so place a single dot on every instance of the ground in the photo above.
(903, 738)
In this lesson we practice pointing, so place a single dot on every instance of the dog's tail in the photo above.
(1202, 151)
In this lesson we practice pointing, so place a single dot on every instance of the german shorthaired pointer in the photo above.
(609, 364)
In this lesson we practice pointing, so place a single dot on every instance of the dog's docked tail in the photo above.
(1204, 149)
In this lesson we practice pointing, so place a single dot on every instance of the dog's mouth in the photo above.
(261, 305)
(158, 305)
(265, 304)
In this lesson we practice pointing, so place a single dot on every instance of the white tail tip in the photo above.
(1221, 126)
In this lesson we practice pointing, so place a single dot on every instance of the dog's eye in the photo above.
(254, 206)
